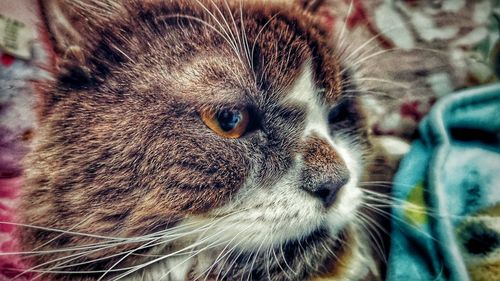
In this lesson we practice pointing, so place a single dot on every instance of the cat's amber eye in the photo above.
(227, 122)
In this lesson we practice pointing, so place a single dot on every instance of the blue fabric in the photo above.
(452, 173)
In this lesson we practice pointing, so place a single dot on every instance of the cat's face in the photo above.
(302, 171)
(230, 120)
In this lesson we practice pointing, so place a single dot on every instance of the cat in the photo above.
(197, 140)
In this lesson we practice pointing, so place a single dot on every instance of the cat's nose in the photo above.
(324, 171)
(327, 192)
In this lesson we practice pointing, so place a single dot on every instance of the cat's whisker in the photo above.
(412, 207)
(230, 31)
(378, 196)
(368, 228)
(363, 59)
(256, 254)
(383, 198)
(380, 94)
(205, 23)
(267, 262)
(70, 249)
(375, 236)
(65, 263)
(402, 24)
(228, 255)
(231, 265)
(284, 259)
(395, 49)
(61, 231)
(120, 241)
(377, 182)
(278, 263)
(229, 35)
(400, 222)
(166, 236)
(145, 265)
(127, 254)
(116, 48)
(205, 228)
(245, 266)
(190, 247)
(334, 255)
(52, 269)
(66, 259)
(257, 37)
(287, 61)
(228, 242)
(399, 85)
(224, 34)
(372, 220)
(388, 186)
(60, 235)
(192, 255)
(392, 95)
(344, 26)
(223, 253)
(302, 250)
(237, 34)
(245, 37)
(369, 55)
(370, 40)
(237, 244)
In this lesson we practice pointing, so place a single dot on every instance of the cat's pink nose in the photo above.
(327, 192)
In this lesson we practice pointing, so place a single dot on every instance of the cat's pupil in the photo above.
(228, 119)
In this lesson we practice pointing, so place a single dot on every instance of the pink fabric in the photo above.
(10, 265)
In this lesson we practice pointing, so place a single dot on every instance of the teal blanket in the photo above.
(446, 214)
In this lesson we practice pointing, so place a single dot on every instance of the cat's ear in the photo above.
(70, 23)
(321, 10)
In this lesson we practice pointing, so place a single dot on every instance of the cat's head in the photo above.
(231, 121)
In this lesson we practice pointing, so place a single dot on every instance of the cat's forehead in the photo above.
(271, 42)
(204, 51)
